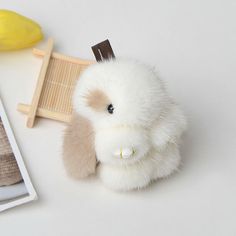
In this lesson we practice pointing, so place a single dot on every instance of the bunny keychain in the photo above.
(125, 127)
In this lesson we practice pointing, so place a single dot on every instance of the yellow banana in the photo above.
(17, 31)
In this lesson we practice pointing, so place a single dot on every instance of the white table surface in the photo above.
(193, 45)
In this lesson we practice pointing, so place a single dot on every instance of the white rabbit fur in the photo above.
(145, 120)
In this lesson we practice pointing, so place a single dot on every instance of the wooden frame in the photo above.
(9, 197)
(55, 85)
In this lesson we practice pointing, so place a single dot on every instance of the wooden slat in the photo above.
(56, 55)
(41, 112)
(37, 93)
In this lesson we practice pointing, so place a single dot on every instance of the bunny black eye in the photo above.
(110, 108)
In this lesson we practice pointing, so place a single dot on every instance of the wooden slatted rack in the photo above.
(55, 85)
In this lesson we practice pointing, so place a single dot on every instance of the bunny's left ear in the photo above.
(103, 51)
(78, 148)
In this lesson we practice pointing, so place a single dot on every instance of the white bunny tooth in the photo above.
(125, 157)
(127, 152)
(124, 153)
(117, 153)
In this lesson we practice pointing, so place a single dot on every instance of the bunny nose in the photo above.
(124, 153)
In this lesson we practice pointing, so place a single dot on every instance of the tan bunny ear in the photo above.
(78, 148)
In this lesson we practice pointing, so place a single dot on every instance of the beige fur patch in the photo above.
(97, 99)
(78, 148)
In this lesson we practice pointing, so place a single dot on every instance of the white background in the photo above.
(193, 46)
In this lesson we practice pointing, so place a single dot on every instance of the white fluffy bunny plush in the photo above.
(125, 127)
